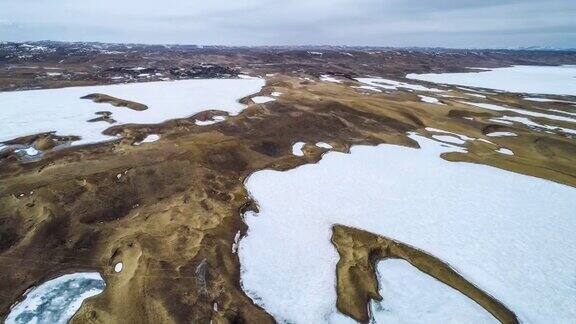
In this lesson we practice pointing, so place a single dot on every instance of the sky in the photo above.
(424, 23)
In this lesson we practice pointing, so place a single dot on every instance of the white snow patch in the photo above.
(411, 296)
(532, 124)
(30, 151)
(520, 111)
(497, 228)
(472, 90)
(394, 85)
(149, 139)
(506, 151)
(118, 267)
(432, 129)
(548, 100)
(529, 79)
(500, 120)
(485, 141)
(56, 300)
(62, 110)
(461, 137)
(324, 145)
(449, 139)
(563, 112)
(214, 120)
(502, 134)
(377, 83)
(328, 78)
(276, 94)
(297, 148)
(247, 77)
(431, 100)
(262, 99)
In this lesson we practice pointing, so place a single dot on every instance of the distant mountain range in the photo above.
(109, 46)
(546, 48)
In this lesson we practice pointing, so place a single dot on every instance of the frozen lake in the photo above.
(555, 80)
(62, 110)
(57, 300)
(512, 235)
(411, 296)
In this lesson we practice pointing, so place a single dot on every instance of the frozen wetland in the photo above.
(56, 300)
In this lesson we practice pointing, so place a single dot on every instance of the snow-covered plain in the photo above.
(62, 110)
(411, 296)
(57, 300)
(510, 234)
(560, 80)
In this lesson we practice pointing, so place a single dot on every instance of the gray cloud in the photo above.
(449, 23)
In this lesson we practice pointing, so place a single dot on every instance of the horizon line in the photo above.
(529, 48)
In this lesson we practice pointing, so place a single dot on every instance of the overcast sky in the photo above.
(447, 23)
